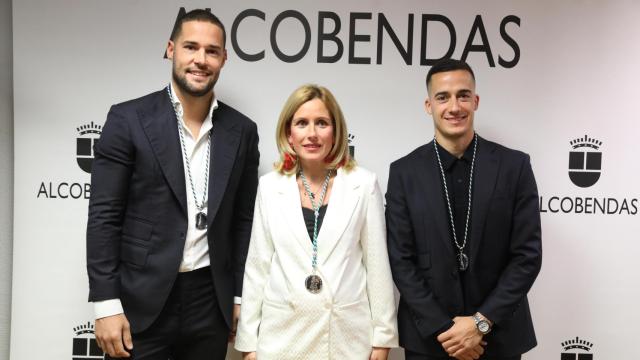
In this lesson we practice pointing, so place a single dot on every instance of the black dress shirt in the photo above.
(309, 219)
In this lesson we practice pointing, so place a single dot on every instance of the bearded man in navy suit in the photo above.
(463, 234)
(173, 188)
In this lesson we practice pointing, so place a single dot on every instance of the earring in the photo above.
(289, 161)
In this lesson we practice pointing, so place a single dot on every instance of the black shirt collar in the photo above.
(449, 160)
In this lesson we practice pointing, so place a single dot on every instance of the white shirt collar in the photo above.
(208, 121)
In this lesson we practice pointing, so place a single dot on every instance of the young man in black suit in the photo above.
(463, 234)
(173, 188)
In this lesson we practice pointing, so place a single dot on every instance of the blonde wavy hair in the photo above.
(339, 154)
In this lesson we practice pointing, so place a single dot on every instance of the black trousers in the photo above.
(409, 355)
(190, 326)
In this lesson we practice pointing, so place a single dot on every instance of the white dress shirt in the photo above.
(195, 254)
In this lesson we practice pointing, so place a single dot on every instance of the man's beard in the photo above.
(184, 85)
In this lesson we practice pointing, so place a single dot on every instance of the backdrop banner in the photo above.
(556, 79)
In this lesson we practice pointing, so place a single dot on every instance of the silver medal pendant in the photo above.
(201, 221)
(313, 283)
(463, 261)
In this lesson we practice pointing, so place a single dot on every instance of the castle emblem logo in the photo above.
(576, 349)
(88, 137)
(585, 161)
(85, 346)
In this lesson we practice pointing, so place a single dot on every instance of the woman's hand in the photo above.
(379, 353)
(249, 355)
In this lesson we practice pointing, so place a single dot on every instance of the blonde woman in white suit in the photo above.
(317, 281)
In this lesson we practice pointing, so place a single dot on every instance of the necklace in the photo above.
(310, 194)
(313, 282)
(463, 259)
(201, 217)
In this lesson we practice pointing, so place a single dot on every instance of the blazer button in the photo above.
(454, 274)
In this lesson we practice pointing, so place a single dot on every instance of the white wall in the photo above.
(6, 173)
(577, 75)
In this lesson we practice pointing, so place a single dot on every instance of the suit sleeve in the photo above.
(110, 177)
(428, 315)
(255, 278)
(379, 281)
(244, 207)
(525, 251)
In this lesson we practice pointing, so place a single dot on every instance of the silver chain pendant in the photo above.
(201, 217)
(201, 221)
(313, 283)
(462, 258)
(463, 262)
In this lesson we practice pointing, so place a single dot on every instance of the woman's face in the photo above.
(311, 132)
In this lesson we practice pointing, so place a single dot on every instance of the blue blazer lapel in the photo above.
(160, 125)
(429, 174)
(225, 140)
(485, 176)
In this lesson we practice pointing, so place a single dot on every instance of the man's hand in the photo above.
(473, 354)
(463, 341)
(114, 335)
(234, 323)
(379, 353)
(249, 356)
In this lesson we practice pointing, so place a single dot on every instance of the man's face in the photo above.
(198, 55)
(452, 101)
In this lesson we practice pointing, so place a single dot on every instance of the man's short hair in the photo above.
(198, 15)
(448, 65)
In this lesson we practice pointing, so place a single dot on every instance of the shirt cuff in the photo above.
(237, 300)
(107, 308)
(445, 328)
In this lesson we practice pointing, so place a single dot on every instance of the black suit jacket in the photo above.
(504, 247)
(138, 208)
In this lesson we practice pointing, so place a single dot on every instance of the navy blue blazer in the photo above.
(505, 251)
(138, 207)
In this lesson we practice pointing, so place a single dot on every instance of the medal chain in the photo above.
(316, 212)
(446, 193)
(201, 206)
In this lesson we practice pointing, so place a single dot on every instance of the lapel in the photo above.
(342, 203)
(225, 139)
(291, 211)
(344, 199)
(428, 174)
(487, 164)
(160, 125)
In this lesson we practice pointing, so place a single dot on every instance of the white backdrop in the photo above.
(575, 75)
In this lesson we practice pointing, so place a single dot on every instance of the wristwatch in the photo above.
(482, 324)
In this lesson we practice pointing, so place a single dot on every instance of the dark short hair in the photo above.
(448, 65)
(198, 15)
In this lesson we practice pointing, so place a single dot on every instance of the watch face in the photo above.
(483, 326)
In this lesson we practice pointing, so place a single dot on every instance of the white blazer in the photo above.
(355, 309)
